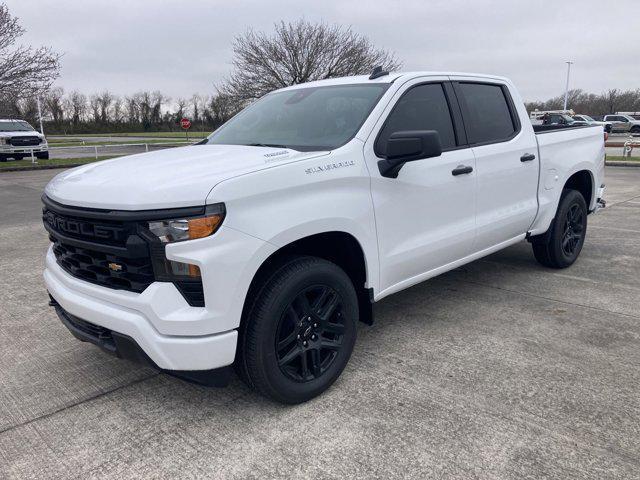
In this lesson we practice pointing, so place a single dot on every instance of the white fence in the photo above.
(106, 149)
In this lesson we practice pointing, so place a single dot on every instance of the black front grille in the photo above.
(99, 231)
(27, 141)
(99, 250)
(114, 248)
(105, 269)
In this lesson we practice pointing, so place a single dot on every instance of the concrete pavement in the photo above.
(500, 369)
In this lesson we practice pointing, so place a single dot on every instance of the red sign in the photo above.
(185, 123)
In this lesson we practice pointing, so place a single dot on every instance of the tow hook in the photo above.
(601, 203)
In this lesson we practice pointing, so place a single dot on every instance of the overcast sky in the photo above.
(184, 46)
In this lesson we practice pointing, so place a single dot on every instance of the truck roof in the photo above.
(390, 78)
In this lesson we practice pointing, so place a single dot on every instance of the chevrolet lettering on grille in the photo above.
(85, 229)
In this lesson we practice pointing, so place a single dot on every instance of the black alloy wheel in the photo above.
(561, 245)
(573, 230)
(299, 330)
(310, 333)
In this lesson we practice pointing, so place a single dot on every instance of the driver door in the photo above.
(425, 218)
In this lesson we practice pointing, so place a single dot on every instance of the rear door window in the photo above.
(487, 114)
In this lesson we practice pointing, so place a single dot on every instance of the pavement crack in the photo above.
(75, 404)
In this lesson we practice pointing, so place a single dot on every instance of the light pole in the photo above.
(39, 113)
(566, 89)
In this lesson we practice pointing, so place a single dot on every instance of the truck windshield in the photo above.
(305, 119)
(15, 127)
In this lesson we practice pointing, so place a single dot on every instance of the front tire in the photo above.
(42, 155)
(561, 246)
(635, 130)
(299, 334)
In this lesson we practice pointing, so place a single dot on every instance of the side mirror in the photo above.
(407, 146)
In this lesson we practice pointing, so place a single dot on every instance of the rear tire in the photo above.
(299, 333)
(562, 244)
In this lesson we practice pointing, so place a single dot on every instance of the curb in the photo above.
(621, 163)
(40, 167)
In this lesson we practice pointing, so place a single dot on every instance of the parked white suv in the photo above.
(264, 245)
(18, 140)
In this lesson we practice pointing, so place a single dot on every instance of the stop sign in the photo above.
(185, 123)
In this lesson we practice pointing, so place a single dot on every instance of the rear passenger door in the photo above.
(425, 216)
(506, 162)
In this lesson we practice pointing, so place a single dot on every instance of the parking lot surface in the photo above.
(499, 369)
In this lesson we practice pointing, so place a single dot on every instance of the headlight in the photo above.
(180, 229)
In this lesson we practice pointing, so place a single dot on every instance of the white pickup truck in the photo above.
(18, 140)
(262, 246)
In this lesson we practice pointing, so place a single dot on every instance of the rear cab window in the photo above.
(488, 112)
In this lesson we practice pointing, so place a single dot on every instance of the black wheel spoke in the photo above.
(290, 356)
(318, 302)
(315, 362)
(304, 365)
(301, 304)
(326, 344)
(329, 306)
(336, 328)
(288, 340)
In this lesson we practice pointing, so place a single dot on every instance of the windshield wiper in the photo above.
(272, 145)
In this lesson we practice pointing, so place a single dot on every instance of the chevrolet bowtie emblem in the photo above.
(116, 267)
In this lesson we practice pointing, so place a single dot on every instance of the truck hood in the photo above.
(175, 177)
(21, 134)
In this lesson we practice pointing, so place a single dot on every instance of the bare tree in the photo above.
(94, 106)
(299, 52)
(181, 108)
(221, 108)
(131, 108)
(198, 103)
(53, 104)
(76, 105)
(24, 70)
(117, 112)
(104, 99)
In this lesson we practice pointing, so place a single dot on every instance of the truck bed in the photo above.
(551, 128)
(561, 152)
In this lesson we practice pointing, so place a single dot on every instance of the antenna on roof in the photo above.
(378, 72)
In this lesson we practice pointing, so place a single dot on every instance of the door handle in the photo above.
(461, 170)
(527, 157)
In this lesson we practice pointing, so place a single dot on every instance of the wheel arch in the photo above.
(583, 182)
(338, 247)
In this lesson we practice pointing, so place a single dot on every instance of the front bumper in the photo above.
(10, 149)
(126, 347)
(130, 316)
